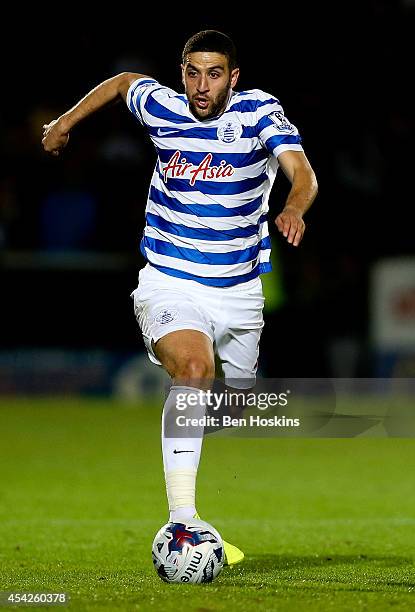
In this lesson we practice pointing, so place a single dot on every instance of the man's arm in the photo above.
(303, 191)
(56, 133)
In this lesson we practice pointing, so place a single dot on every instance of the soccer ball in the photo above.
(191, 551)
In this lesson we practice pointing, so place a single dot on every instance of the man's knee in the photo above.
(187, 355)
(194, 368)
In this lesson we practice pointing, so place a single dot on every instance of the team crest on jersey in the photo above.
(166, 316)
(281, 122)
(229, 131)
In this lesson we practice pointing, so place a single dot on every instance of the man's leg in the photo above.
(188, 357)
(178, 334)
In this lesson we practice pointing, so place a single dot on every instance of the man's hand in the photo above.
(55, 137)
(290, 223)
(56, 133)
(303, 190)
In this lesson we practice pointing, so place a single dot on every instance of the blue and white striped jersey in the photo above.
(206, 214)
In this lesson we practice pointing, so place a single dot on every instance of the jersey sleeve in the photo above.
(275, 131)
(139, 93)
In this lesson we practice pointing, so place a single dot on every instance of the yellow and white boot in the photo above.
(232, 554)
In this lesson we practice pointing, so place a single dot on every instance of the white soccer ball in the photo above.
(189, 551)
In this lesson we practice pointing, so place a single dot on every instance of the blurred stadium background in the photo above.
(343, 305)
(83, 490)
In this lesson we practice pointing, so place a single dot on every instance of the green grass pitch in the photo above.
(326, 524)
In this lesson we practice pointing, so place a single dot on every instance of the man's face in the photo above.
(207, 81)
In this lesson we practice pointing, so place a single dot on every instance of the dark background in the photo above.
(70, 227)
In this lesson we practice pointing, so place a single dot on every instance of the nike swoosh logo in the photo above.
(165, 133)
(186, 451)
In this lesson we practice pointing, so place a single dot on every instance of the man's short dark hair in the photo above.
(214, 42)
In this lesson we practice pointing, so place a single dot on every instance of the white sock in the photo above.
(181, 447)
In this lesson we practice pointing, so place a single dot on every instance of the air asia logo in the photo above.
(178, 168)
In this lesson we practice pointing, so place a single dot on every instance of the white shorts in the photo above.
(230, 316)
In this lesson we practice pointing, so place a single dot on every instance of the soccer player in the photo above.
(206, 236)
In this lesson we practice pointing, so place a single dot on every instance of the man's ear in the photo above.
(182, 69)
(234, 77)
